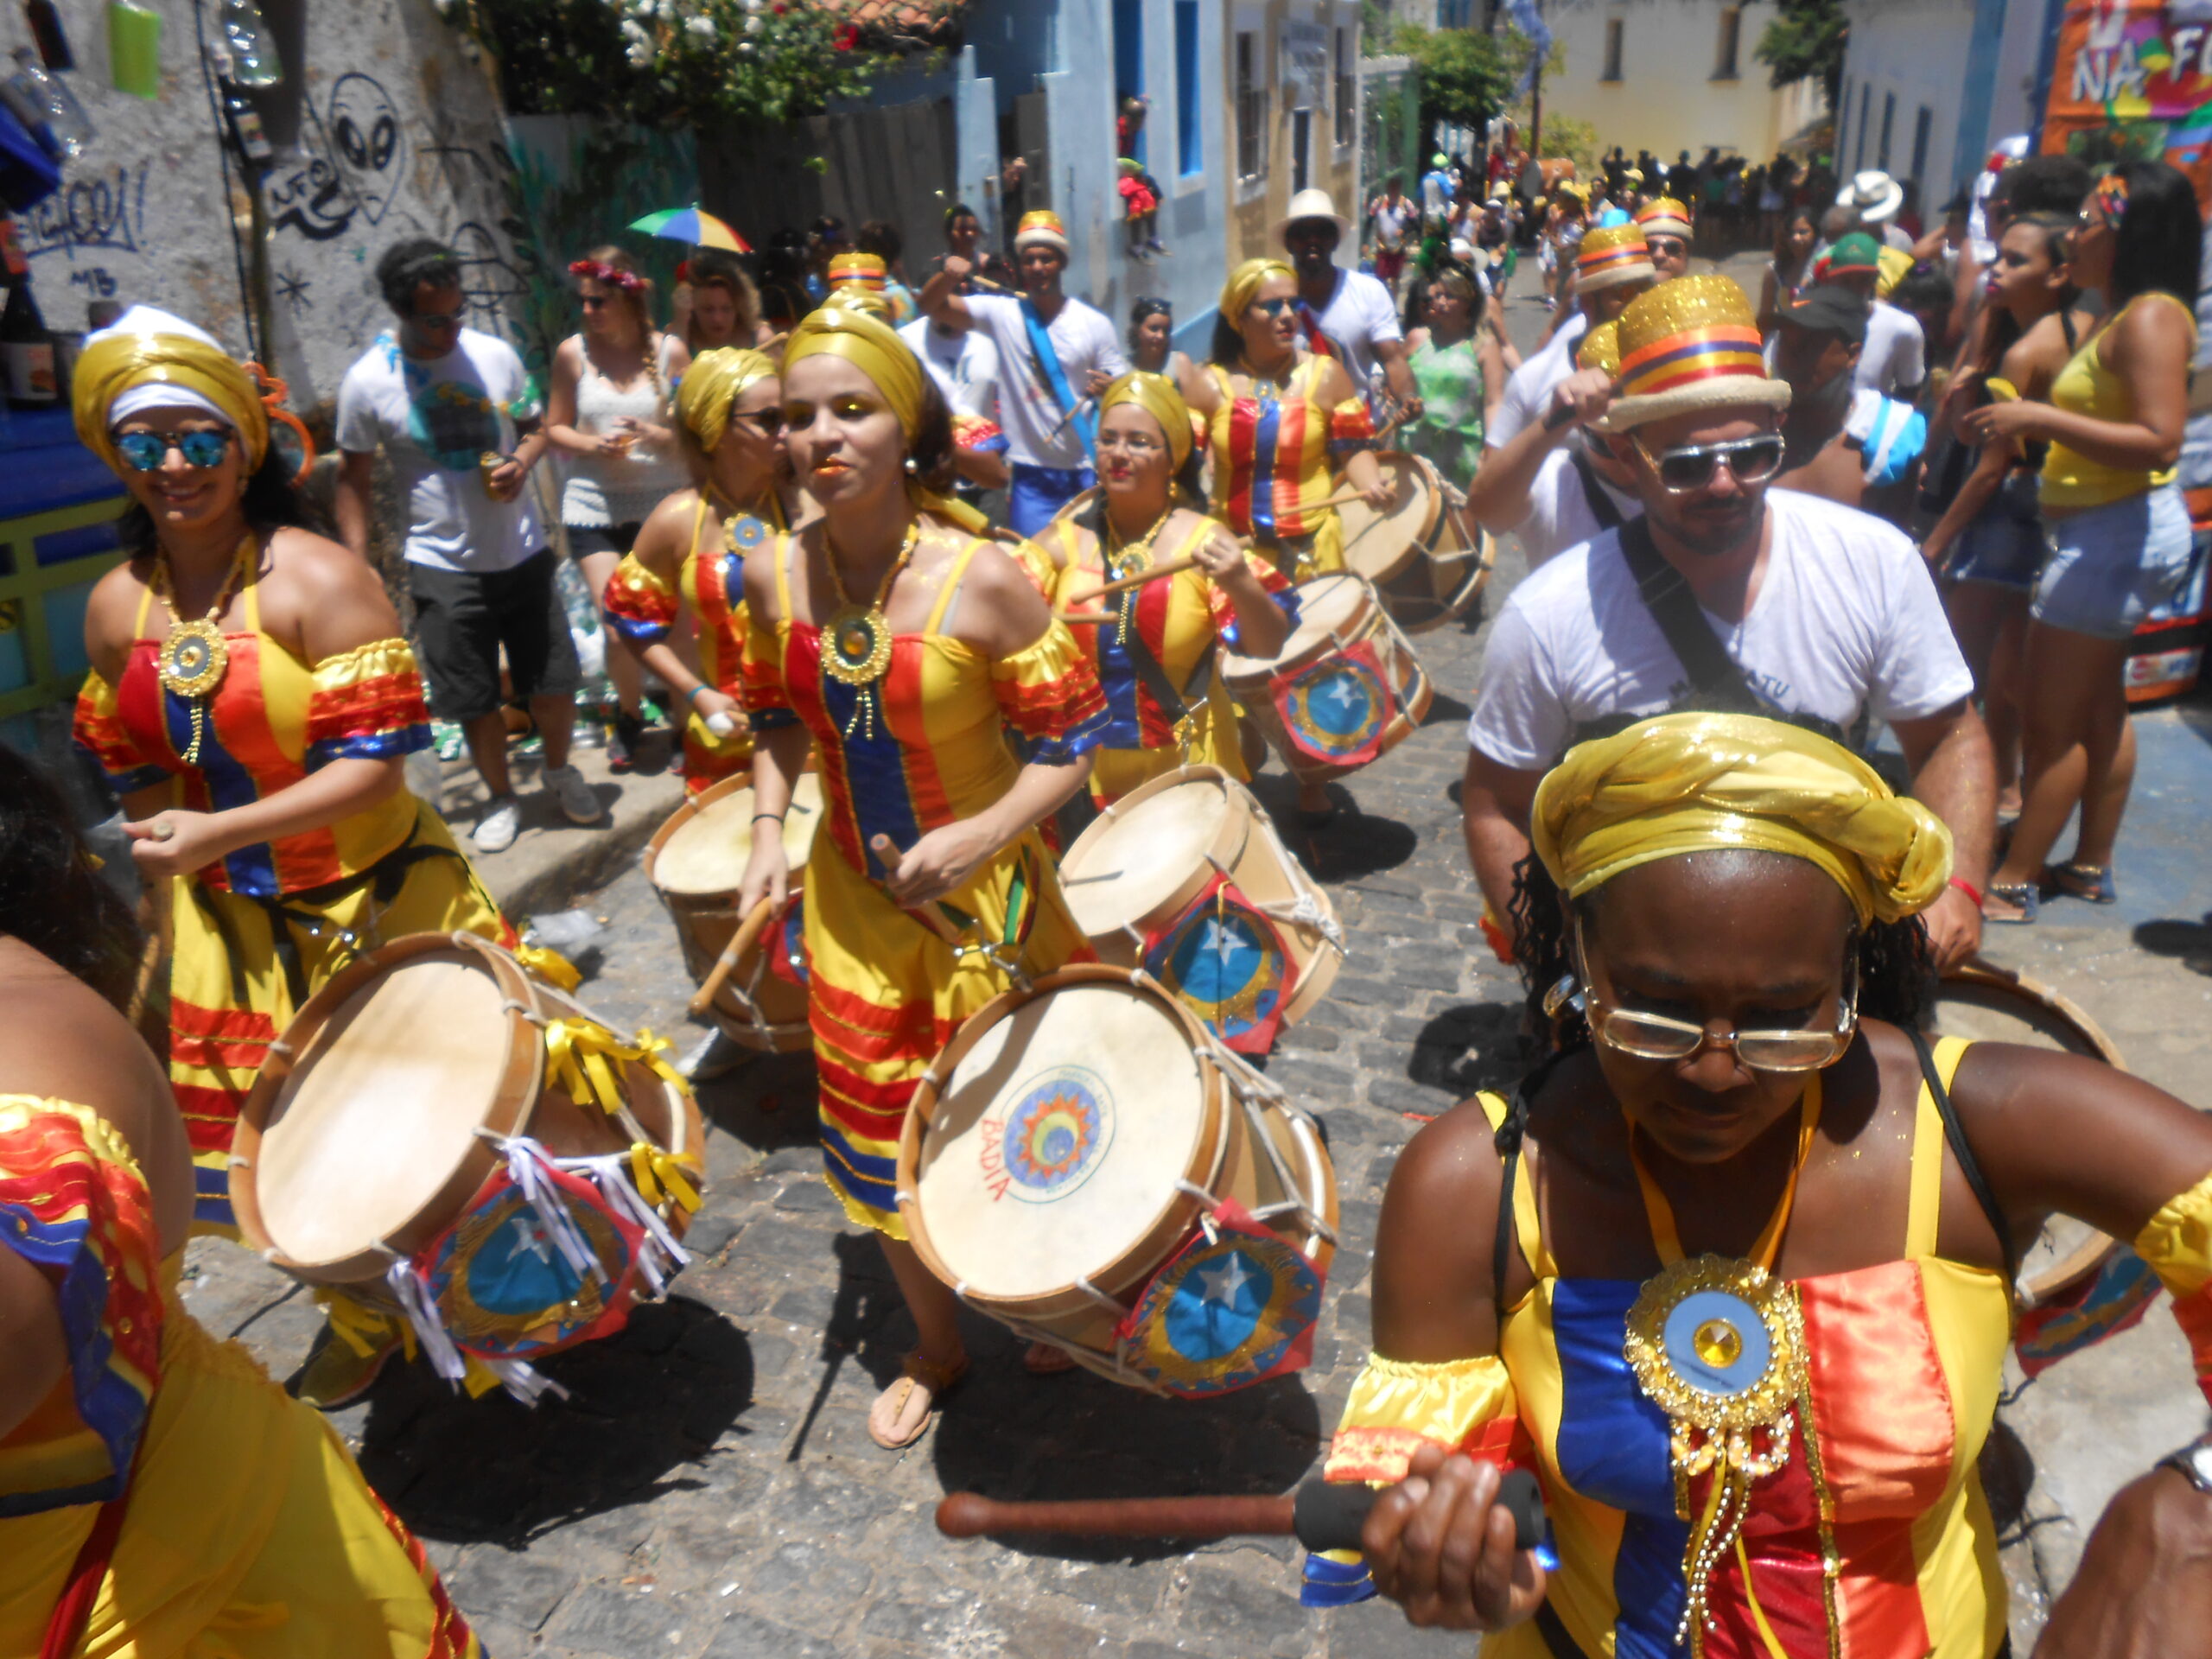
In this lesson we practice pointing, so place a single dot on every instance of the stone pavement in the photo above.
(709, 1488)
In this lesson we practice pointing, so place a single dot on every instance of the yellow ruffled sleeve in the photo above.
(1049, 692)
(1398, 1406)
(2177, 1243)
(637, 604)
(368, 704)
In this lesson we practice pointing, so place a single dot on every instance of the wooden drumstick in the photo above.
(1080, 619)
(747, 934)
(1173, 568)
(1318, 1514)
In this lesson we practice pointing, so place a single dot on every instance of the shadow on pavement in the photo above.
(642, 1404)
(1350, 844)
(2190, 941)
(1477, 1045)
(1445, 710)
(767, 1103)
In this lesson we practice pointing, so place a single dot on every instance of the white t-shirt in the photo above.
(964, 366)
(1848, 619)
(435, 417)
(1081, 338)
(1359, 314)
(1895, 356)
(1560, 516)
(1392, 220)
(1528, 392)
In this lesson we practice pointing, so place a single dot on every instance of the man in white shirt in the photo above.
(1438, 187)
(1346, 315)
(1894, 359)
(442, 400)
(1612, 266)
(1559, 483)
(966, 370)
(1392, 217)
(1056, 354)
(1808, 610)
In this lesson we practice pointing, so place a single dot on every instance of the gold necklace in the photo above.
(193, 656)
(1125, 559)
(856, 646)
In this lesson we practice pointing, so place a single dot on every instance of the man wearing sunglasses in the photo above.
(1725, 595)
(1667, 229)
(458, 416)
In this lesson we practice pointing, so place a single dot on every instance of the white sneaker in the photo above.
(577, 798)
(496, 831)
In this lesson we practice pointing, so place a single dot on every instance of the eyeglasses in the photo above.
(1135, 443)
(1666, 244)
(1273, 308)
(1654, 1037)
(591, 301)
(1692, 467)
(434, 319)
(146, 451)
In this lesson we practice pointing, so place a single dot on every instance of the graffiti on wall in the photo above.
(351, 164)
(101, 211)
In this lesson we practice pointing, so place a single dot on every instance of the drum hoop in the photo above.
(687, 808)
(522, 1078)
(1336, 641)
(1986, 975)
(1432, 523)
(1423, 533)
(1218, 854)
(1141, 1258)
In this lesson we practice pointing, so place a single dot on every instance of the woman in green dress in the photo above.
(1461, 372)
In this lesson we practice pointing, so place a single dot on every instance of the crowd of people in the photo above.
(1731, 1269)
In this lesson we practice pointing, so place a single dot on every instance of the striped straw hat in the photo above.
(1601, 349)
(1691, 344)
(1667, 217)
(867, 270)
(1041, 228)
(1611, 255)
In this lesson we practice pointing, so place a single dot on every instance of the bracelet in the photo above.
(777, 818)
(692, 696)
(1967, 888)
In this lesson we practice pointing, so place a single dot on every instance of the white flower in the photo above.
(752, 26)
(641, 53)
(634, 32)
(745, 49)
(700, 28)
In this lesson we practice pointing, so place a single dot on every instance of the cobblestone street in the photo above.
(709, 1488)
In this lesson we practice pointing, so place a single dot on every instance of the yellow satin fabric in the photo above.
(2178, 1241)
(711, 387)
(1398, 1405)
(111, 367)
(1156, 394)
(1694, 782)
(1243, 286)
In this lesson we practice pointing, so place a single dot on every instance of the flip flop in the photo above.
(916, 1373)
(2091, 882)
(2022, 895)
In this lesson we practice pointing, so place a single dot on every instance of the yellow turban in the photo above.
(711, 387)
(1696, 783)
(837, 329)
(1156, 394)
(116, 361)
(1243, 286)
(861, 297)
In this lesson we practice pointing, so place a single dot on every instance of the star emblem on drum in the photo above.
(1347, 697)
(1223, 942)
(1228, 1279)
(1227, 1311)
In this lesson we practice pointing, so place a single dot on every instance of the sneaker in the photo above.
(626, 732)
(502, 821)
(337, 1374)
(577, 798)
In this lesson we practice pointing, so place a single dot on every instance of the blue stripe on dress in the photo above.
(873, 1180)
(1612, 1447)
(251, 870)
(1265, 431)
(1117, 677)
(875, 770)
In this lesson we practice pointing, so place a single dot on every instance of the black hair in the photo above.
(881, 238)
(1924, 290)
(1144, 310)
(2045, 184)
(932, 449)
(2005, 330)
(1895, 966)
(961, 210)
(414, 263)
(52, 897)
(271, 500)
(2160, 237)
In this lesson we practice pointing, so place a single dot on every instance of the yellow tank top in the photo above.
(2086, 386)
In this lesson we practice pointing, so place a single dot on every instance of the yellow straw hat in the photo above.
(1691, 344)
(1610, 256)
(1665, 217)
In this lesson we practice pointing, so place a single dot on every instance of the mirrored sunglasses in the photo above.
(146, 451)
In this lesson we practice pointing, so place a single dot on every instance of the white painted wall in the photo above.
(1667, 99)
(1916, 52)
(399, 137)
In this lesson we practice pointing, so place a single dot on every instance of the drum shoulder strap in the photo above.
(1608, 516)
(1955, 1135)
(1713, 672)
(1176, 705)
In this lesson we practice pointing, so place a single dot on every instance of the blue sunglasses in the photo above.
(146, 451)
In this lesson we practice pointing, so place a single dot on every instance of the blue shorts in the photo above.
(2003, 545)
(1037, 492)
(2106, 568)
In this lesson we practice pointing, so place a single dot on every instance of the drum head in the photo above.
(708, 852)
(1328, 607)
(1126, 865)
(382, 1108)
(1058, 1139)
(1377, 544)
(1984, 1007)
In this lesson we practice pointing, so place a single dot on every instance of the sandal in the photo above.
(1046, 1359)
(916, 1373)
(2092, 882)
(2022, 895)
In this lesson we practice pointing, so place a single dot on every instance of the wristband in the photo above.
(776, 817)
(1967, 888)
(692, 696)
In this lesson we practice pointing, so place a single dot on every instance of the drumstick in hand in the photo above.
(1173, 568)
(747, 934)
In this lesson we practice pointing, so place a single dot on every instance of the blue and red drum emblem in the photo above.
(1055, 1134)
(1227, 1312)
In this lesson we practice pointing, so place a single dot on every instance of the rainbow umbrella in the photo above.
(689, 224)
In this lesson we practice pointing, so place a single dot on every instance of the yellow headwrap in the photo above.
(1156, 394)
(1243, 286)
(837, 329)
(1695, 783)
(111, 365)
(711, 387)
(860, 296)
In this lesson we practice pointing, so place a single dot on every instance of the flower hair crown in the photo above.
(606, 275)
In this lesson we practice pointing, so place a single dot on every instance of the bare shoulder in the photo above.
(323, 598)
(665, 537)
(113, 608)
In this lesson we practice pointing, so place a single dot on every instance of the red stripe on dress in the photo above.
(2194, 1314)
(138, 704)
(900, 693)
(371, 708)
(1295, 428)
(1155, 606)
(1243, 441)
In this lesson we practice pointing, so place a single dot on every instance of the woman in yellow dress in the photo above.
(1158, 660)
(901, 652)
(159, 1495)
(252, 702)
(1281, 426)
(690, 552)
(1733, 1274)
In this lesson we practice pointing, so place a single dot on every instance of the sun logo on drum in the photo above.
(1054, 1134)
(1337, 711)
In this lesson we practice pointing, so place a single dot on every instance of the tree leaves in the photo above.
(1808, 38)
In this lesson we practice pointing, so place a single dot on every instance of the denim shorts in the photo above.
(2106, 568)
(2003, 544)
